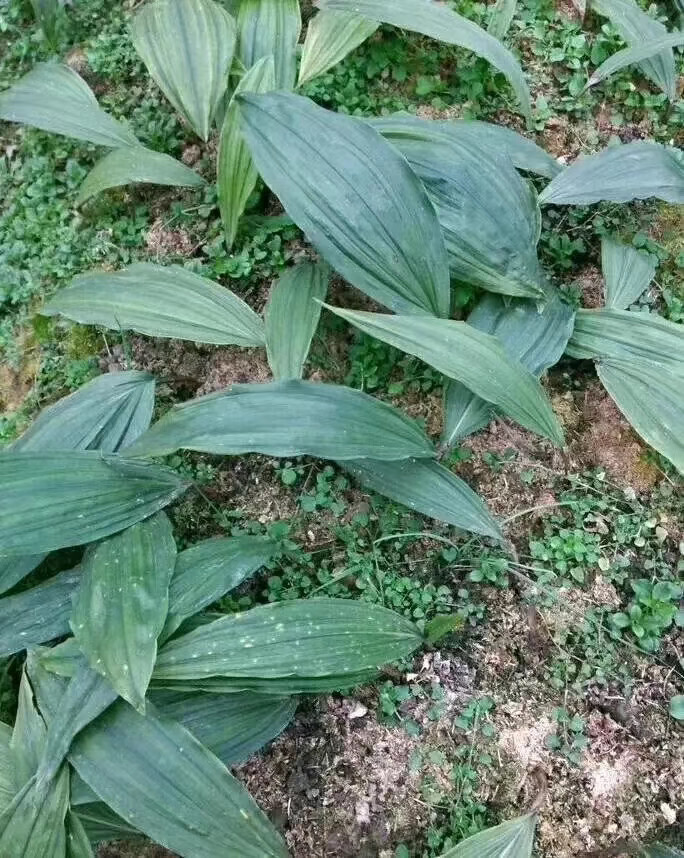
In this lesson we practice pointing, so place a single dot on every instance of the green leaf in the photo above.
(101, 823)
(627, 273)
(512, 839)
(121, 605)
(136, 165)
(478, 360)
(659, 850)
(7, 789)
(292, 316)
(307, 639)
(56, 500)
(441, 626)
(270, 28)
(237, 175)
(277, 687)
(33, 825)
(440, 22)
(54, 98)
(105, 414)
(37, 615)
(77, 842)
(428, 488)
(501, 18)
(187, 46)
(630, 171)
(637, 53)
(354, 196)
(156, 775)
(46, 15)
(28, 737)
(287, 418)
(13, 569)
(330, 37)
(160, 301)
(677, 707)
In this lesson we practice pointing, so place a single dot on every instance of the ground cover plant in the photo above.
(398, 206)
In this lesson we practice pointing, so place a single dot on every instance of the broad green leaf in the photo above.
(232, 726)
(635, 26)
(37, 615)
(292, 316)
(512, 839)
(160, 301)
(101, 823)
(274, 687)
(627, 273)
(630, 171)
(635, 54)
(153, 773)
(270, 28)
(33, 824)
(303, 638)
(77, 840)
(478, 360)
(354, 196)
(13, 569)
(650, 397)
(28, 737)
(330, 36)
(287, 418)
(677, 707)
(136, 165)
(438, 21)
(105, 414)
(207, 571)
(56, 500)
(7, 789)
(237, 175)
(537, 339)
(501, 18)
(121, 605)
(428, 488)
(54, 98)
(187, 46)
(659, 850)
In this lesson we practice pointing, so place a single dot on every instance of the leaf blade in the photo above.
(330, 37)
(633, 55)
(627, 273)
(512, 839)
(270, 28)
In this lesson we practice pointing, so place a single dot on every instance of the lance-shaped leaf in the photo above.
(46, 15)
(512, 839)
(7, 789)
(537, 339)
(37, 615)
(105, 414)
(306, 639)
(33, 824)
(232, 726)
(330, 36)
(501, 18)
(287, 418)
(438, 21)
(635, 26)
(354, 196)
(78, 842)
(56, 500)
(635, 54)
(627, 273)
(136, 165)
(478, 360)
(428, 488)
(101, 823)
(28, 736)
(275, 687)
(237, 175)
(292, 316)
(156, 775)
(54, 98)
(631, 171)
(270, 28)
(160, 301)
(122, 602)
(13, 569)
(187, 46)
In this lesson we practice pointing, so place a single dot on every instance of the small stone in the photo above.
(669, 814)
(358, 711)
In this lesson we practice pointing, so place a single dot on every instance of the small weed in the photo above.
(570, 739)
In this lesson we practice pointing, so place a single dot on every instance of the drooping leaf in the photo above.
(136, 165)
(292, 316)
(512, 839)
(105, 414)
(287, 418)
(627, 273)
(7, 789)
(307, 639)
(237, 175)
(438, 21)
(637, 53)
(77, 840)
(330, 36)
(56, 500)
(187, 46)
(428, 488)
(13, 569)
(153, 773)
(478, 360)
(501, 18)
(270, 28)
(354, 196)
(160, 301)
(54, 98)
(33, 824)
(630, 171)
(37, 615)
(121, 605)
